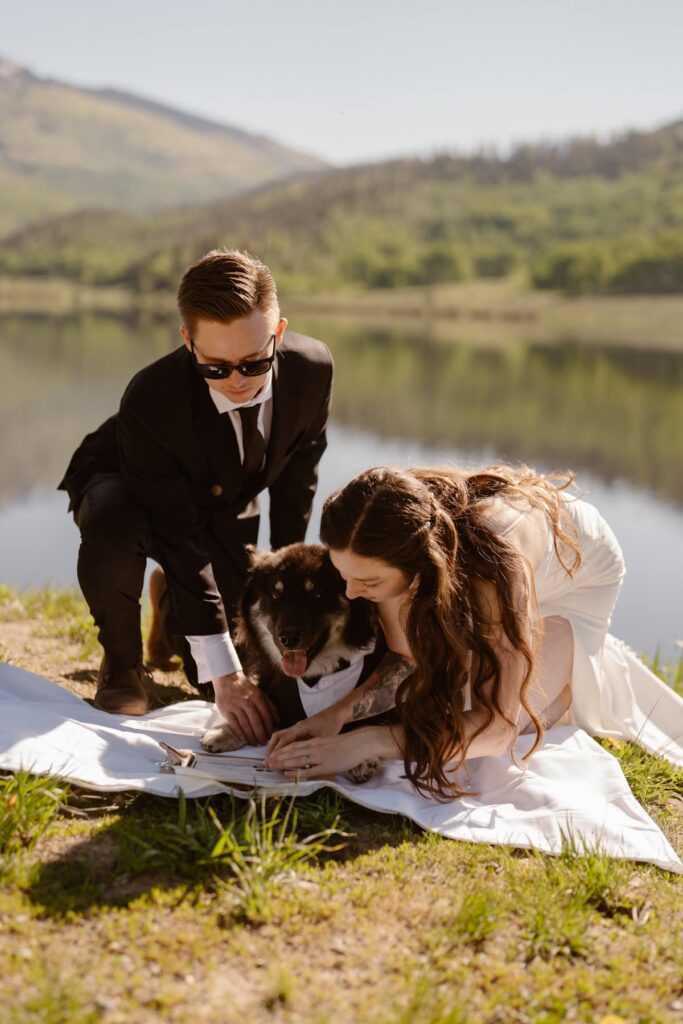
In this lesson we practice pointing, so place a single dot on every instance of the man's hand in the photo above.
(325, 723)
(249, 712)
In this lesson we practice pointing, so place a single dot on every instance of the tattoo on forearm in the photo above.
(381, 695)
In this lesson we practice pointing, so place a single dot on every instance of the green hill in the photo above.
(64, 148)
(582, 216)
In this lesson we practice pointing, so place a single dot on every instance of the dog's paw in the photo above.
(363, 772)
(220, 739)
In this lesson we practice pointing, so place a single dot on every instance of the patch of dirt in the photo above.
(58, 659)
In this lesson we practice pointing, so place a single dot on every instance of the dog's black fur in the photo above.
(294, 620)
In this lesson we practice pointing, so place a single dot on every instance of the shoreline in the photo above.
(493, 311)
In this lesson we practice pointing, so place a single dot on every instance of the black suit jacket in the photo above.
(180, 462)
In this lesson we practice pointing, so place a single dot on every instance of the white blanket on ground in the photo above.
(570, 787)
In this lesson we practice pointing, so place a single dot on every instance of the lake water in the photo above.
(404, 395)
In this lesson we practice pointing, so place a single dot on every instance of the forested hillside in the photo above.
(582, 216)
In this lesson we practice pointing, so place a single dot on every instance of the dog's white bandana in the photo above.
(330, 688)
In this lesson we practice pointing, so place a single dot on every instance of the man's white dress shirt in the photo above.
(215, 655)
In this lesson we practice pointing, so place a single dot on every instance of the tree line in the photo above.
(583, 218)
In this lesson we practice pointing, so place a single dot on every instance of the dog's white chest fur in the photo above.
(332, 687)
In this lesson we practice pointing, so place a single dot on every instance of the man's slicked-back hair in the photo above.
(225, 285)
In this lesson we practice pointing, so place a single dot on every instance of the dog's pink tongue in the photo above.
(294, 663)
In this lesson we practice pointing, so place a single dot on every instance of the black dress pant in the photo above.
(116, 541)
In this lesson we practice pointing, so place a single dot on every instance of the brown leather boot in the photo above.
(121, 691)
(159, 647)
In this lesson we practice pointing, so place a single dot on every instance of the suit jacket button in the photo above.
(216, 490)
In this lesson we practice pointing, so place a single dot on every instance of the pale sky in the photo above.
(366, 79)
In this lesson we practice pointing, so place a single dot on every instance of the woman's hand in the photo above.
(325, 723)
(325, 755)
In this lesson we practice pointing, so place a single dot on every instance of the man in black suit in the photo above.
(175, 475)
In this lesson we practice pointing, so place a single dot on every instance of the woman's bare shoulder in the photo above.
(522, 525)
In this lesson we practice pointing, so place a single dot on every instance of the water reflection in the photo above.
(615, 412)
(59, 378)
(403, 395)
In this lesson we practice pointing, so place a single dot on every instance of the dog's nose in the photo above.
(290, 637)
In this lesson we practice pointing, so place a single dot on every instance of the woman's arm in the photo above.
(378, 693)
(328, 755)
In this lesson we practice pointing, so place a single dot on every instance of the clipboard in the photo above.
(232, 769)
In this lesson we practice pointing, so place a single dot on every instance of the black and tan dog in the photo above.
(302, 639)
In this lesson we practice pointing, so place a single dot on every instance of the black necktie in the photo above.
(252, 440)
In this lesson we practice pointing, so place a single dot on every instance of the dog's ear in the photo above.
(245, 602)
(253, 584)
(328, 572)
(252, 553)
(256, 558)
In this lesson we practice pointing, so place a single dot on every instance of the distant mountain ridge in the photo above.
(63, 147)
(183, 117)
(582, 215)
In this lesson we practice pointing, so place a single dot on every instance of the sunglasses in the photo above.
(248, 368)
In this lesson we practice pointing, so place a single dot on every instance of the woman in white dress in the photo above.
(495, 591)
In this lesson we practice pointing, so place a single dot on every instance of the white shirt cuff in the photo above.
(214, 656)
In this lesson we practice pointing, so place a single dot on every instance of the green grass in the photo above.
(475, 919)
(252, 850)
(60, 613)
(52, 1001)
(28, 805)
(654, 780)
(453, 928)
(45, 604)
(670, 671)
(242, 850)
(130, 908)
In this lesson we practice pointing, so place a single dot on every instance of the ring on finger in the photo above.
(307, 761)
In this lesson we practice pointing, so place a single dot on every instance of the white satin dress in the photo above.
(613, 693)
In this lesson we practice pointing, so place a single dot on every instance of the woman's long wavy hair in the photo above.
(432, 524)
